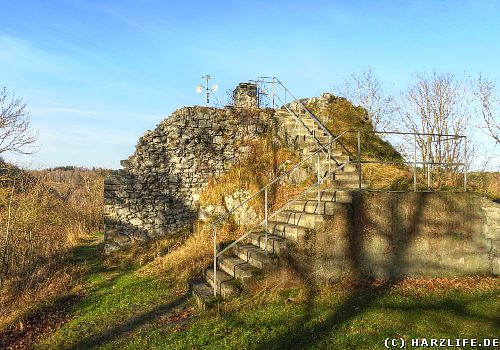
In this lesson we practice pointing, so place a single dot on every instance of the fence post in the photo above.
(465, 164)
(265, 216)
(414, 162)
(215, 260)
(359, 160)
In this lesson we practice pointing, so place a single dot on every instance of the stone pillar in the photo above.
(245, 95)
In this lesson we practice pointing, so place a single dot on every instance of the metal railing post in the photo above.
(319, 178)
(465, 164)
(215, 260)
(428, 176)
(266, 216)
(359, 160)
(273, 94)
(414, 163)
(329, 154)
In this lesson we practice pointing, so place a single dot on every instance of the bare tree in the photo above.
(16, 134)
(489, 107)
(437, 104)
(364, 89)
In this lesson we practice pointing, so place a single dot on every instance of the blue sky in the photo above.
(97, 74)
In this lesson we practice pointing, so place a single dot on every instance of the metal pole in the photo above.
(206, 87)
(319, 178)
(329, 154)
(465, 164)
(428, 166)
(215, 260)
(273, 94)
(428, 176)
(300, 131)
(359, 160)
(265, 215)
(414, 163)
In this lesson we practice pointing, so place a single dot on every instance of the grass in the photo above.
(333, 321)
(111, 295)
(121, 308)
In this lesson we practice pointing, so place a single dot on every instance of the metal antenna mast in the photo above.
(200, 88)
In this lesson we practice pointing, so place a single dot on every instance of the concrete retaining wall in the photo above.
(390, 235)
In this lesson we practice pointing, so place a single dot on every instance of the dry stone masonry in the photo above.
(157, 191)
(245, 95)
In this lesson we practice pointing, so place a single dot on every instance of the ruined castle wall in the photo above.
(157, 191)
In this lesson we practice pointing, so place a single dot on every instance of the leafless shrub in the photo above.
(489, 107)
(366, 90)
(16, 134)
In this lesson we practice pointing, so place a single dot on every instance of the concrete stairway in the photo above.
(249, 260)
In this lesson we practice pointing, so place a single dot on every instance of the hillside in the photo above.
(72, 297)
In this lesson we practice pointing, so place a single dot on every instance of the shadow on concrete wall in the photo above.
(361, 299)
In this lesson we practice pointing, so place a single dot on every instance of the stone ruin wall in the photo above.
(157, 192)
(245, 95)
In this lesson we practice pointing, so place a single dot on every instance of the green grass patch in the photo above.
(122, 308)
(112, 297)
(360, 319)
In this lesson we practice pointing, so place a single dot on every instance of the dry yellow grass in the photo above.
(487, 183)
(41, 221)
(263, 162)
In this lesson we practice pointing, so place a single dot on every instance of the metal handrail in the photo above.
(293, 200)
(265, 190)
(274, 79)
(414, 162)
(278, 178)
(262, 88)
(274, 95)
(311, 132)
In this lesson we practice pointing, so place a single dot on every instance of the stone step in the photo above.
(309, 220)
(350, 167)
(311, 146)
(349, 184)
(352, 176)
(275, 244)
(329, 196)
(203, 294)
(287, 230)
(256, 256)
(312, 206)
(290, 122)
(227, 285)
(324, 158)
(238, 268)
(285, 113)
(294, 129)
